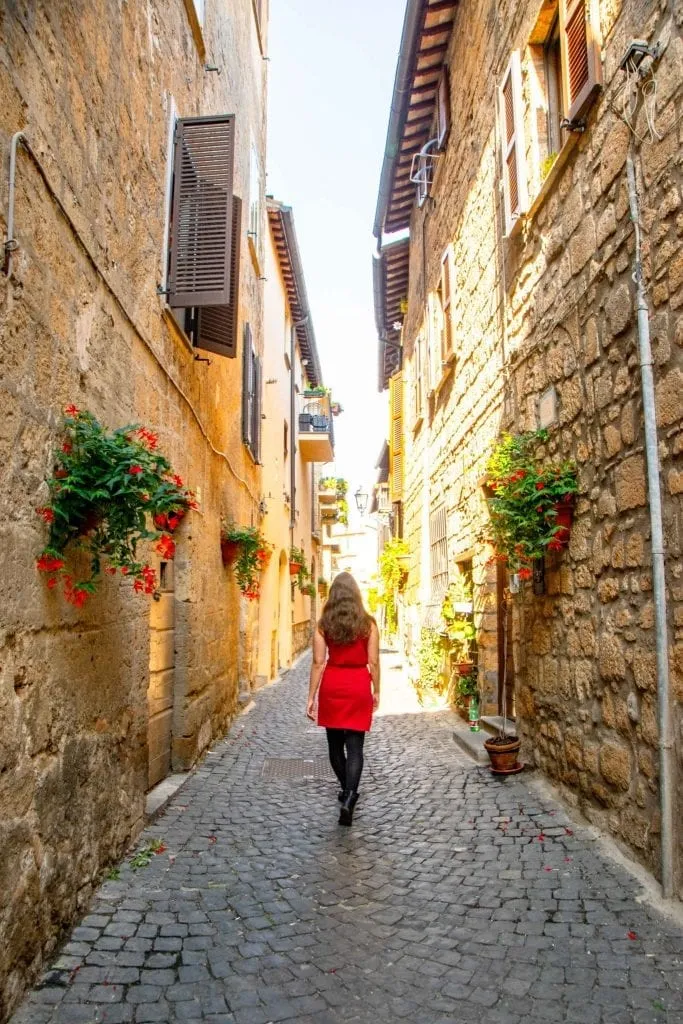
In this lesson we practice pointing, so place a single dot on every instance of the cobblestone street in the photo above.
(454, 896)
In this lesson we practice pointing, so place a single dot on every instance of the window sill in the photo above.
(176, 329)
(197, 31)
(417, 424)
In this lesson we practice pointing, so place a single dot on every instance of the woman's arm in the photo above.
(317, 666)
(373, 663)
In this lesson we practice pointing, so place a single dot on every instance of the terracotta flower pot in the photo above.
(229, 551)
(295, 568)
(564, 516)
(464, 667)
(503, 755)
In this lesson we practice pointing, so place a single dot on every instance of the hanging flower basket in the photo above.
(110, 491)
(243, 547)
(295, 568)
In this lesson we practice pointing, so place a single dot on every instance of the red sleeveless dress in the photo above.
(345, 695)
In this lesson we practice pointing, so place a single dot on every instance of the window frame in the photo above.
(251, 395)
(446, 302)
(255, 222)
(513, 142)
(438, 551)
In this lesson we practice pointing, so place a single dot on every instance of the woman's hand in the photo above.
(375, 701)
(309, 709)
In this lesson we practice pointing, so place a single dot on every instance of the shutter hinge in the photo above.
(573, 126)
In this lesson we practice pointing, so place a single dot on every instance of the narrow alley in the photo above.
(454, 897)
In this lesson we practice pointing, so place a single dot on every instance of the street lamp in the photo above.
(361, 500)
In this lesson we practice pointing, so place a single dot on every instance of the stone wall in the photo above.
(553, 307)
(93, 88)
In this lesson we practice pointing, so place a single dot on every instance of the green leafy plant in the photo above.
(253, 552)
(547, 165)
(109, 491)
(431, 680)
(373, 600)
(459, 593)
(317, 392)
(308, 589)
(143, 856)
(525, 495)
(466, 687)
(392, 575)
(461, 634)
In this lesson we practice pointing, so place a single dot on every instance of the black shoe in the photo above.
(346, 810)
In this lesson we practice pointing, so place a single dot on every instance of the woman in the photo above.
(346, 670)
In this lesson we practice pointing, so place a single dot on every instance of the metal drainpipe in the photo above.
(11, 243)
(658, 570)
(292, 428)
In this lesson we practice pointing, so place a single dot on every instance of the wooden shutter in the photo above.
(256, 408)
(513, 151)
(396, 436)
(417, 373)
(434, 327)
(217, 326)
(247, 387)
(580, 46)
(201, 217)
(445, 289)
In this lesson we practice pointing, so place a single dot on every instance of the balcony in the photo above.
(316, 433)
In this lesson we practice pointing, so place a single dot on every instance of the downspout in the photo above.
(658, 569)
(11, 242)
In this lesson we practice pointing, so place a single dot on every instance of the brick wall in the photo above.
(92, 86)
(553, 307)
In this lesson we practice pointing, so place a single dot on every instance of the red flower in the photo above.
(525, 574)
(144, 497)
(555, 544)
(148, 438)
(134, 470)
(631, 935)
(124, 570)
(67, 447)
(176, 480)
(166, 546)
(71, 410)
(48, 563)
(46, 514)
(540, 485)
(74, 594)
(173, 521)
(161, 520)
(52, 582)
(138, 586)
(110, 570)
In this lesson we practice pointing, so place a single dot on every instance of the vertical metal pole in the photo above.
(10, 243)
(658, 568)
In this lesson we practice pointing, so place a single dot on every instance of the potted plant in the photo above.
(323, 586)
(458, 598)
(297, 561)
(336, 408)
(109, 491)
(308, 590)
(530, 501)
(245, 548)
(503, 750)
(461, 634)
(430, 683)
(465, 689)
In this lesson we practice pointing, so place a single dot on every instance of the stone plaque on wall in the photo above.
(547, 408)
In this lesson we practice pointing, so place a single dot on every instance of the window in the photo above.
(513, 146)
(445, 295)
(255, 207)
(204, 233)
(434, 329)
(418, 391)
(396, 436)
(443, 109)
(438, 543)
(251, 396)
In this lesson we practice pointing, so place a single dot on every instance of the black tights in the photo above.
(348, 764)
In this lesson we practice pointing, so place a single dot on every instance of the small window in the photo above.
(251, 396)
(438, 542)
(445, 296)
(255, 207)
(418, 390)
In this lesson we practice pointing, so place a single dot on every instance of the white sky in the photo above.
(331, 76)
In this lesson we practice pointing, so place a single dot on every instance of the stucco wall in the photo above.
(81, 321)
(554, 306)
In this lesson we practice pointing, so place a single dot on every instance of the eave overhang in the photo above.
(281, 220)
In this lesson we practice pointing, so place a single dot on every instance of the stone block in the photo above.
(613, 154)
(160, 692)
(616, 765)
(162, 612)
(644, 666)
(611, 662)
(669, 398)
(162, 653)
(629, 482)
(619, 310)
(582, 244)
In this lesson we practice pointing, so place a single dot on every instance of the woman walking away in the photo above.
(346, 670)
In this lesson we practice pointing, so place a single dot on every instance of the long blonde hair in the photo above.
(344, 618)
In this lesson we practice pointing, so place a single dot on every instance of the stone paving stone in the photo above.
(441, 904)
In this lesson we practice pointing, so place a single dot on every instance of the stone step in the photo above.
(493, 724)
(471, 742)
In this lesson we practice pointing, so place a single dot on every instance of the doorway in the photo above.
(161, 677)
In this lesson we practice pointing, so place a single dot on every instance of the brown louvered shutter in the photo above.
(580, 44)
(201, 216)
(247, 386)
(512, 143)
(445, 289)
(396, 439)
(256, 408)
(217, 326)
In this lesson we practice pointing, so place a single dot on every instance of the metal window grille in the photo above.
(438, 538)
